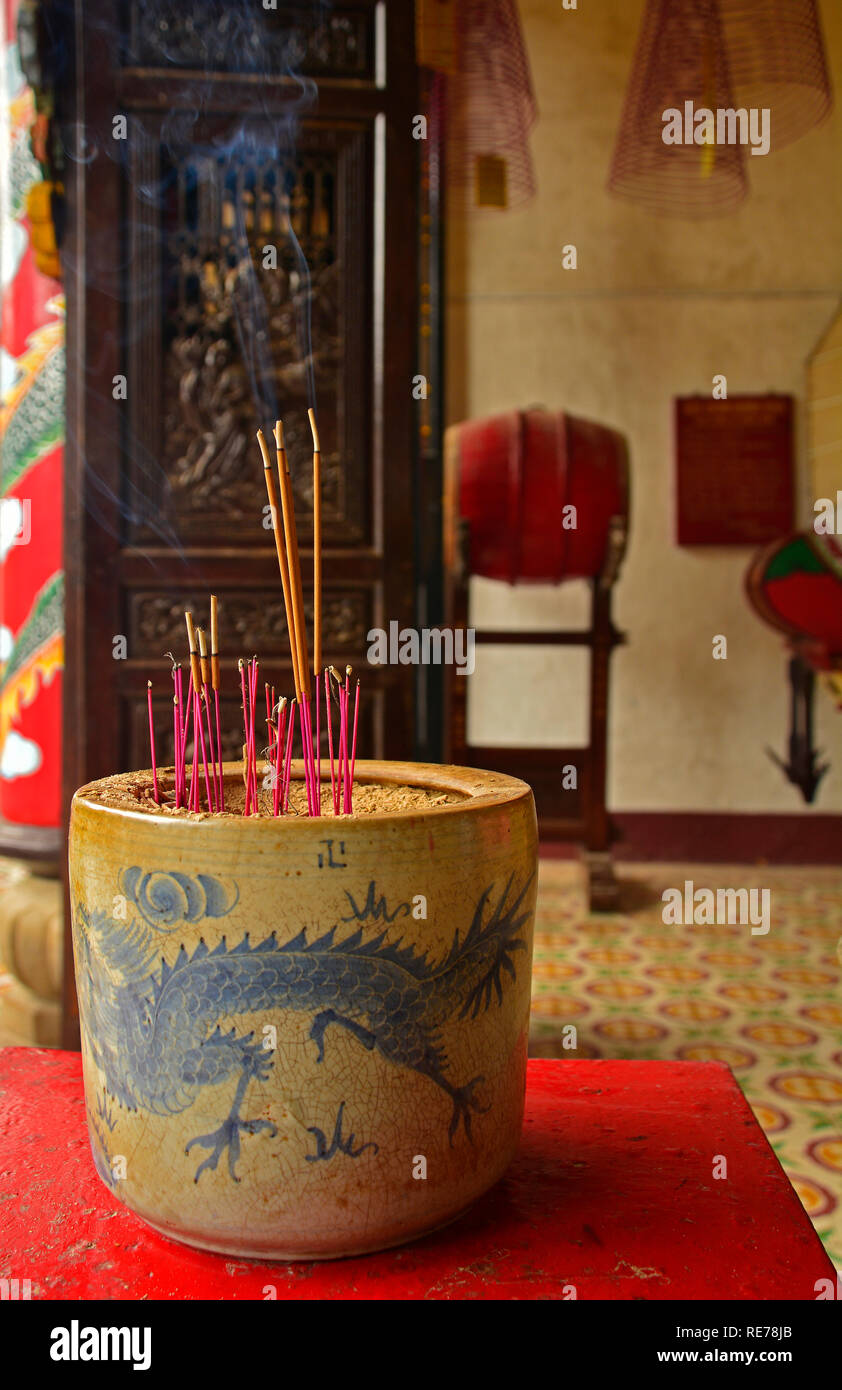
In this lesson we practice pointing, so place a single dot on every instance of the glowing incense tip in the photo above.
(264, 450)
(311, 415)
(195, 670)
(203, 653)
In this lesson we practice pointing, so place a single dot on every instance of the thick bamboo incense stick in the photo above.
(195, 670)
(203, 656)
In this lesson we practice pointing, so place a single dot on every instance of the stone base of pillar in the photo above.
(31, 929)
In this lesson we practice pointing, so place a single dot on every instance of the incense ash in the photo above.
(139, 792)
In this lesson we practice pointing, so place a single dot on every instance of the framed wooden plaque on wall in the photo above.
(735, 469)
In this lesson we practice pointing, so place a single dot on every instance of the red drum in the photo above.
(516, 480)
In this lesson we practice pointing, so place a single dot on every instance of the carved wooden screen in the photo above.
(168, 285)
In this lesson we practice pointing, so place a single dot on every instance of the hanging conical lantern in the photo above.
(709, 79)
(680, 59)
(489, 109)
(777, 59)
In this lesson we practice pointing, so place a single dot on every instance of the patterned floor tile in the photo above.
(770, 1006)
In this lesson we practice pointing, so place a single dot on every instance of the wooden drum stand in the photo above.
(541, 498)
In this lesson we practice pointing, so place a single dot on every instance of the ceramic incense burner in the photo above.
(306, 1037)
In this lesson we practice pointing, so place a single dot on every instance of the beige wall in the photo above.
(655, 309)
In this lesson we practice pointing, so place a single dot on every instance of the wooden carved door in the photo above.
(241, 241)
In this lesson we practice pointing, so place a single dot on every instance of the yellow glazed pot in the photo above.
(305, 1038)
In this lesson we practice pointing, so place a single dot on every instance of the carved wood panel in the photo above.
(248, 278)
(243, 36)
(250, 621)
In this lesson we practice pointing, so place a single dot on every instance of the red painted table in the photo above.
(612, 1195)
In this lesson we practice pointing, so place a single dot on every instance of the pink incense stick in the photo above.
(246, 807)
(176, 714)
(175, 737)
(278, 783)
(303, 732)
(152, 741)
(288, 759)
(354, 745)
(318, 748)
(219, 751)
(253, 734)
(340, 762)
(307, 749)
(197, 724)
(313, 744)
(330, 743)
(346, 790)
(193, 800)
(184, 708)
(206, 703)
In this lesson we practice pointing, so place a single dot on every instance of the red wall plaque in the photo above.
(735, 469)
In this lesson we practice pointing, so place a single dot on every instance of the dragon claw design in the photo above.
(464, 1101)
(227, 1137)
(328, 1016)
(255, 1066)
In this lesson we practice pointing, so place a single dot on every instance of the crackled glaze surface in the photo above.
(283, 1055)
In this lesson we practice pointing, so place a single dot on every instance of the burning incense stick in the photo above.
(195, 669)
(280, 547)
(294, 568)
(293, 560)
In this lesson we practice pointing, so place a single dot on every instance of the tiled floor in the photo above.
(770, 1006)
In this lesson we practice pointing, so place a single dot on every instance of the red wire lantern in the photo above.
(716, 55)
(488, 106)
